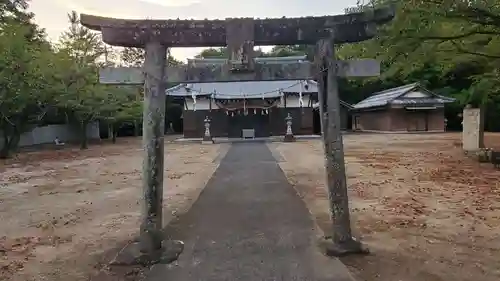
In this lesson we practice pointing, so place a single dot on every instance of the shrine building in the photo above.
(246, 109)
(409, 108)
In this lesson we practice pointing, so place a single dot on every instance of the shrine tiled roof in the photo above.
(395, 96)
(244, 89)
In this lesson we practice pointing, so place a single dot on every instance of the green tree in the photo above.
(122, 107)
(213, 53)
(81, 96)
(25, 95)
(223, 53)
(294, 50)
(132, 56)
(135, 57)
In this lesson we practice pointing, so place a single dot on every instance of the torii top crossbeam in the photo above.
(347, 28)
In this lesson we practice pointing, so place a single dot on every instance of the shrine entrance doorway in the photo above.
(240, 124)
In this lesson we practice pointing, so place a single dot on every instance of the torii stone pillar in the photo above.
(240, 36)
(153, 142)
(342, 242)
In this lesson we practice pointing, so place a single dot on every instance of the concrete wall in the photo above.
(47, 134)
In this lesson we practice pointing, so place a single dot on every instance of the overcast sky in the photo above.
(52, 14)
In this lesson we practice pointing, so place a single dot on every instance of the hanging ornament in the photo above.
(282, 97)
(301, 100)
(267, 112)
(244, 104)
(211, 100)
(255, 111)
(227, 112)
(193, 95)
(232, 114)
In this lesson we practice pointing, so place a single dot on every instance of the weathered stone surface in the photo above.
(240, 43)
(334, 249)
(153, 142)
(132, 254)
(200, 33)
(334, 150)
(473, 129)
(207, 136)
(193, 73)
(289, 137)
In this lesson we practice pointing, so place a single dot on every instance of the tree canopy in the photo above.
(450, 46)
(42, 82)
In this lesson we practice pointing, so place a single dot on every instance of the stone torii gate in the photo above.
(240, 35)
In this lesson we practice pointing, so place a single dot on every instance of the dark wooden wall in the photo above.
(273, 124)
(194, 125)
(302, 122)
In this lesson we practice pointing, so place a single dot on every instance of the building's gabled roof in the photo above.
(394, 96)
(244, 89)
(342, 103)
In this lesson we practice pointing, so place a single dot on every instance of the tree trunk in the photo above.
(111, 132)
(83, 135)
(136, 128)
(5, 151)
(114, 133)
(14, 142)
(10, 143)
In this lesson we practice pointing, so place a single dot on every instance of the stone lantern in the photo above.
(289, 137)
(207, 137)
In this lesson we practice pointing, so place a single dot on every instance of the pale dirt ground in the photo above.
(426, 212)
(62, 211)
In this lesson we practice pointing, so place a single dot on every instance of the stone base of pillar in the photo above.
(289, 138)
(207, 140)
(132, 254)
(332, 249)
